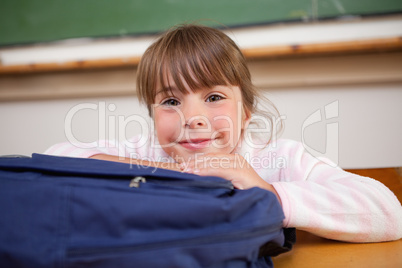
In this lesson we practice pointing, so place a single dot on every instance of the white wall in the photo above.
(368, 120)
(370, 128)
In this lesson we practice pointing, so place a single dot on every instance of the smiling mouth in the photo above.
(196, 144)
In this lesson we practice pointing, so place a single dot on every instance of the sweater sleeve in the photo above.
(332, 203)
(129, 148)
(137, 147)
(86, 150)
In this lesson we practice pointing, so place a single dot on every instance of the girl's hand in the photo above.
(232, 167)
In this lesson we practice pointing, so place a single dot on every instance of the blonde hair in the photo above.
(201, 56)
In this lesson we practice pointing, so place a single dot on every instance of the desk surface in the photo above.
(313, 251)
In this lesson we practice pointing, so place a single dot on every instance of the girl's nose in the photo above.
(198, 121)
(194, 115)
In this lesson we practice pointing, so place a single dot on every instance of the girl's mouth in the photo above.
(196, 144)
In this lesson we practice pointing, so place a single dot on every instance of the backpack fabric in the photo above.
(72, 212)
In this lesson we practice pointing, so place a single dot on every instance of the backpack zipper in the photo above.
(137, 181)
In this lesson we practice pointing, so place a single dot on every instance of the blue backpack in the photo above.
(72, 212)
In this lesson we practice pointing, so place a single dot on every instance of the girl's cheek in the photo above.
(167, 124)
(227, 117)
(229, 124)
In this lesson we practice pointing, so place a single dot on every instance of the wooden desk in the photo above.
(312, 251)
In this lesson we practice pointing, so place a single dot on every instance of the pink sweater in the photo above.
(316, 197)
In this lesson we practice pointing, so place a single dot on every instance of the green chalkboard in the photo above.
(31, 21)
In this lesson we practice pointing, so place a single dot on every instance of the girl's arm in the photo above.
(112, 151)
(333, 203)
(87, 150)
(315, 197)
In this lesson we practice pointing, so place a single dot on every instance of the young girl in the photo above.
(198, 90)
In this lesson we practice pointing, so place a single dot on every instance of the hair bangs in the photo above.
(192, 68)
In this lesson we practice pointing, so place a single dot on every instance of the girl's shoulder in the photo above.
(279, 147)
(286, 147)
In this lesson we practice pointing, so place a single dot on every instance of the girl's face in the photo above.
(206, 121)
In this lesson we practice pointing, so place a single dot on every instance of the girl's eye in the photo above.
(171, 102)
(214, 98)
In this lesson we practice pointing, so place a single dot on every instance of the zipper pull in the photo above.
(135, 183)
